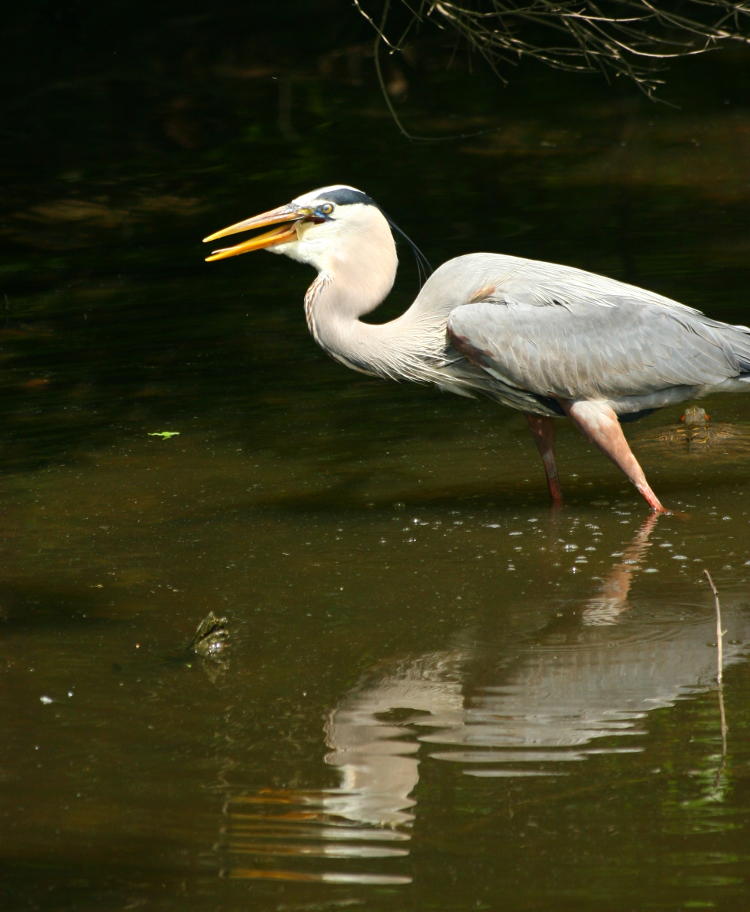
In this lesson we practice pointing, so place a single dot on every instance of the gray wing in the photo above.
(573, 343)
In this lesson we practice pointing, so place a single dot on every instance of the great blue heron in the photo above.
(546, 339)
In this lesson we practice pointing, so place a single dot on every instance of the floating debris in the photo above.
(211, 638)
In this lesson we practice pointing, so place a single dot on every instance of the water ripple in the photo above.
(304, 825)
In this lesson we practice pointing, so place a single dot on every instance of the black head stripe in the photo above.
(343, 196)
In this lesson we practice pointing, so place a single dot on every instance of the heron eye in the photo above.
(326, 208)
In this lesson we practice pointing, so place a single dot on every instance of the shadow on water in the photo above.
(29, 606)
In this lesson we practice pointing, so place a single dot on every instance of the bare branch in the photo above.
(630, 38)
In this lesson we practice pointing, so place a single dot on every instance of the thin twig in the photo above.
(719, 632)
(380, 36)
(720, 664)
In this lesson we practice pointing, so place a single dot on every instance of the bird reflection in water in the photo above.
(576, 687)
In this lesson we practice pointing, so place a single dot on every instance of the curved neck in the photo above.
(352, 282)
(408, 347)
(333, 314)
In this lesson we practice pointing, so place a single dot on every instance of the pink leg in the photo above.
(543, 431)
(599, 423)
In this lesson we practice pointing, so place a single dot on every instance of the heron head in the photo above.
(312, 228)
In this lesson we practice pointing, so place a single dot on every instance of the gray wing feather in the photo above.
(560, 332)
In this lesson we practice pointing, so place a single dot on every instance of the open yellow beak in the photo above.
(286, 217)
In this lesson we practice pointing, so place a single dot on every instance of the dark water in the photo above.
(438, 694)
